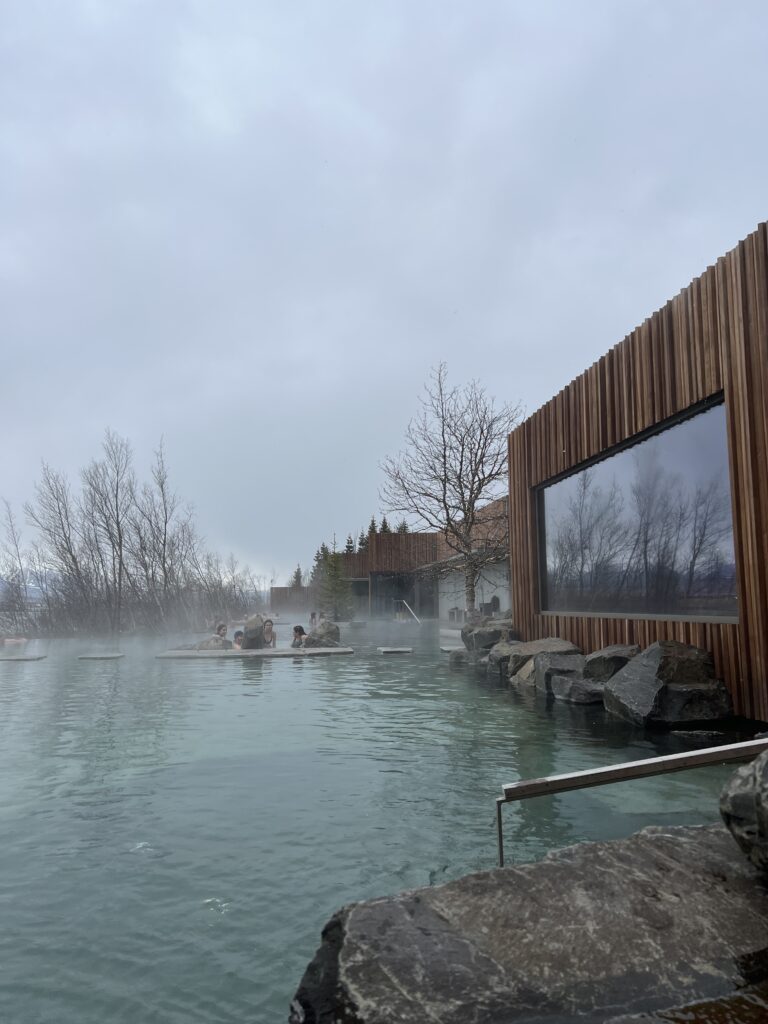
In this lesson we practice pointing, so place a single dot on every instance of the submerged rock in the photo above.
(668, 684)
(592, 932)
(457, 659)
(744, 809)
(481, 664)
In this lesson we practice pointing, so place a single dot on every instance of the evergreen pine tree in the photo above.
(402, 527)
(349, 549)
(335, 591)
(372, 526)
(320, 562)
(384, 528)
(297, 580)
(362, 541)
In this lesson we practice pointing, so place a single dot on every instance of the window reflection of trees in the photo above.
(649, 539)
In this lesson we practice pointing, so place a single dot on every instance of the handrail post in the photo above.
(500, 801)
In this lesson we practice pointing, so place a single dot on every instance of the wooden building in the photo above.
(638, 503)
(387, 573)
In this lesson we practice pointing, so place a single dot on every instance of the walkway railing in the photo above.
(408, 607)
(550, 784)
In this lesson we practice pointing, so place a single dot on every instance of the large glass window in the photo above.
(646, 531)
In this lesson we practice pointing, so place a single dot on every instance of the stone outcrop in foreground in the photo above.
(594, 932)
(744, 809)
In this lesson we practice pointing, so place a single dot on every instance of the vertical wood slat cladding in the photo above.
(712, 337)
(391, 552)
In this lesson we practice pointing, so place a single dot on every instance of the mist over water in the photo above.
(176, 833)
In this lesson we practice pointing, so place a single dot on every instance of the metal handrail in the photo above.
(413, 613)
(550, 784)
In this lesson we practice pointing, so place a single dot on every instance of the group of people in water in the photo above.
(269, 634)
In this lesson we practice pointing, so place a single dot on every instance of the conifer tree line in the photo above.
(327, 577)
(353, 546)
(110, 553)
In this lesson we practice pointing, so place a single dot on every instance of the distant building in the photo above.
(386, 577)
(492, 590)
(419, 573)
(383, 578)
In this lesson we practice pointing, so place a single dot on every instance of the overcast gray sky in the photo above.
(252, 227)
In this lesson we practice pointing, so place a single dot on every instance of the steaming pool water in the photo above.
(176, 833)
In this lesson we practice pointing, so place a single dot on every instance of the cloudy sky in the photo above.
(251, 228)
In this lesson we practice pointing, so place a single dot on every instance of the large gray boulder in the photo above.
(499, 655)
(214, 643)
(744, 809)
(326, 634)
(481, 636)
(549, 663)
(575, 689)
(605, 663)
(549, 645)
(524, 681)
(592, 932)
(668, 684)
(253, 630)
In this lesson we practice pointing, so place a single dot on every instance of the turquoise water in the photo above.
(175, 834)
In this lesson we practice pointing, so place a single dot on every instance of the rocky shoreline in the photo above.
(668, 685)
(670, 925)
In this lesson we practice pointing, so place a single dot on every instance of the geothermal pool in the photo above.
(176, 833)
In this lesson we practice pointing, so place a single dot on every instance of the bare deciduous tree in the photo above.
(453, 466)
(117, 555)
(14, 598)
(109, 488)
(54, 514)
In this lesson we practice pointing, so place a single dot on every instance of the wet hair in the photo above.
(268, 621)
(239, 634)
(300, 630)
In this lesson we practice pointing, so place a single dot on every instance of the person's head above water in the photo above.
(221, 629)
(268, 622)
(239, 634)
(299, 631)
